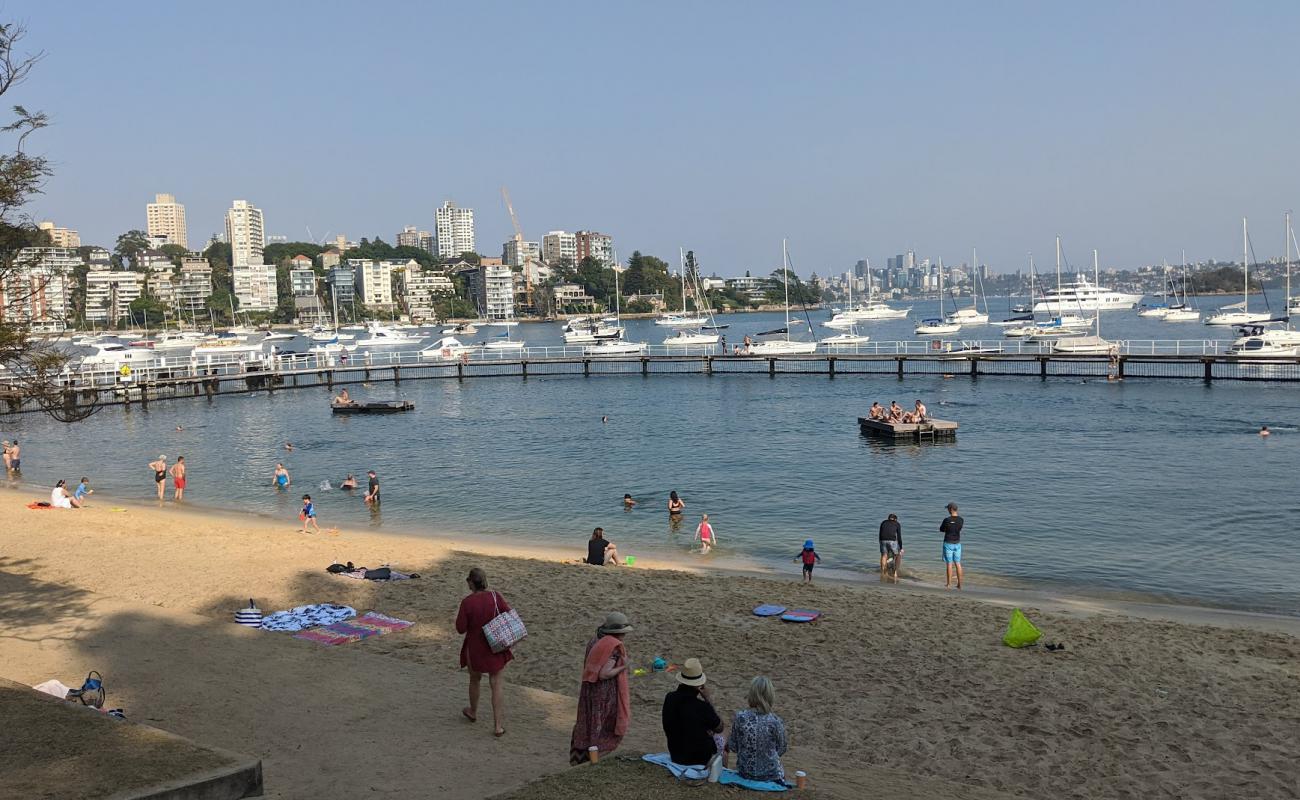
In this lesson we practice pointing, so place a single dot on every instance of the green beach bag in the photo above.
(1020, 632)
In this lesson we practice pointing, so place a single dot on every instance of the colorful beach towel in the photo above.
(801, 615)
(730, 777)
(768, 610)
(354, 630)
(695, 772)
(303, 617)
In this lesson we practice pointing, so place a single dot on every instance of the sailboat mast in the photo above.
(1245, 267)
(941, 290)
(1287, 306)
(785, 282)
(1096, 277)
(1060, 310)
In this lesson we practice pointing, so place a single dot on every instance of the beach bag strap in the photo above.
(505, 629)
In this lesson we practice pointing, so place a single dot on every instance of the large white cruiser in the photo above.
(1083, 295)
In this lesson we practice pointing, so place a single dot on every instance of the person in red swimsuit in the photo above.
(476, 610)
(178, 478)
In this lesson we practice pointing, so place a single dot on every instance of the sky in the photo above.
(853, 130)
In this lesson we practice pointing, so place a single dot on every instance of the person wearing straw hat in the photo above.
(691, 723)
(604, 702)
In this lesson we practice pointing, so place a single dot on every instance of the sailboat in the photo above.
(614, 346)
(1087, 345)
(972, 315)
(1158, 310)
(1240, 313)
(696, 337)
(786, 346)
(1182, 312)
(939, 326)
(874, 310)
(504, 343)
(1025, 315)
(1056, 327)
(1260, 343)
(838, 322)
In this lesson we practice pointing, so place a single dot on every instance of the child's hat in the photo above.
(808, 545)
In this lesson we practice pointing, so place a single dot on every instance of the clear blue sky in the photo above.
(1135, 128)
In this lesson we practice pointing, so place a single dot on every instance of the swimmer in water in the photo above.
(1263, 431)
(350, 482)
(675, 504)
(288, 446)
(179, 428)
(604, 419)
(281, 477)
(628, 502)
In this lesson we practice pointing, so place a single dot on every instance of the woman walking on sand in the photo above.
(478, 609)
(604, 704)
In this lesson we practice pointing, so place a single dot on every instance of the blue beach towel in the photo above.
(732, 778)
(694, 772)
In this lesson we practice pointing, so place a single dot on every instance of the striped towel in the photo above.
(353, 630)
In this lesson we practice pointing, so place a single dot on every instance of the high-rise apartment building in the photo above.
(38, 288)
(513, 255)
(559, 244)
(412, 237)
(421, 288)
(373, 279)
(194, 286)
(166, 217)
(60, 237)
(599, 246)
(495, 290)
(455, 230)
(109, 294)
(246, 233)
(254, 286)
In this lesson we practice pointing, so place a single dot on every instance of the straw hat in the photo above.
(691, 673)
(615, 622)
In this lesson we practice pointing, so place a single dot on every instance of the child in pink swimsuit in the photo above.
(705, 534)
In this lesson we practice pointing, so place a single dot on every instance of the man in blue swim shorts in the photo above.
(951, 529)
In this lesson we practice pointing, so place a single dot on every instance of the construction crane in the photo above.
(521, 250)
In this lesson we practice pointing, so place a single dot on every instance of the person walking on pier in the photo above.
(178, 478)
(159, 467)
(951, 529)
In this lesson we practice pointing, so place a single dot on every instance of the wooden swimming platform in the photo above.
(934, 430)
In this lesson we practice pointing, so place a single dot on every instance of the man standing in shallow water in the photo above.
(951, 529)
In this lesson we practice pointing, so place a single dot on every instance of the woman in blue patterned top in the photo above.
(758, 736)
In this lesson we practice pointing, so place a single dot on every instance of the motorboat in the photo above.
(1154, 311)
(228, 346)
(782, 347)
(1083, 345)
(1256, 342)
(500, 323)
(180, 340)
(504, 346)
(115, 356)
(378, 335)
(872, 311)
(614, 347)
(844, 340)
(968, 349)
(690, 339)
(1181, 315)
(681, 320)
(1014, 322)
(448, 348)
(1083, 295)
(593, 334)
(1072, 321)
(463, 329)
(279, 337)
(1052, 334)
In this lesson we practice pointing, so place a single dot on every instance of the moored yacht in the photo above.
(1083, 295)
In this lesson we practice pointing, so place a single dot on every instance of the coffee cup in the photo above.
(593, 754)
(800, 779)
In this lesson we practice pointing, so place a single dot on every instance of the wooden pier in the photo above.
(933, 430)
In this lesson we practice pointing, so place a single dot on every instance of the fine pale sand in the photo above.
(900, 692)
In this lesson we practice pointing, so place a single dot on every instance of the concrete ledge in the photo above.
(60, 750)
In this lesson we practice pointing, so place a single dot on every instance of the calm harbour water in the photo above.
(1160, 488)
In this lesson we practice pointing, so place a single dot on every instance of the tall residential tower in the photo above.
(166, 217)
(455, 230)
(246, 234)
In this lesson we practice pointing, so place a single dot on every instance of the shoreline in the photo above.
(1000, 591)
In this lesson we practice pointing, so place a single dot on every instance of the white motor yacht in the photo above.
(378, 335)
(1257, 342)
(114, 356)
(448, 348)
(228, 346)
(180, 340)
(1083, 295)
(593, 334)
(691, 339)
(614, 347)
(852, 339)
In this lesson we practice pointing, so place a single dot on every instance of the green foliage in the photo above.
(128, 248)
(1224, 279)
(471, 257)
(596, 279)
(800, 293)
(648, 275)
(175, 252)
(219, 303)
(147, 308)
(639, 306)
(280, 252)
(379, 249)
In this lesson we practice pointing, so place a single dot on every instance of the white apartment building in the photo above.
(599, 246)
(571, 295)
(302, 281)
(162, 287)
(165, 217)
(109, 294)
(153, 261)
(559, 244)
(412, 237)
(99, 259)
(60, 237)
(194, 286)
(496, 292)
(254, 287)
(421, 288)
(246, 233)
(373, 279)
(38, 290)
(455, 230)
(513, 255)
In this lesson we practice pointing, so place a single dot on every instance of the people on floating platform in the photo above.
(343, 398)
(895, 413)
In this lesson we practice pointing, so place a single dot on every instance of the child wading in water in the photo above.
(809, 557)
(308, 514)
(705, 534)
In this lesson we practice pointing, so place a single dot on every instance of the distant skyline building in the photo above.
(599, 246)
(455, 230)
(413, 237)
(559, 244)
(60, 237)
(513, 255)
(166, 217)
(246, 233)
(109, 294)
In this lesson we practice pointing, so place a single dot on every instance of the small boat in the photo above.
(940, 326)
(724, 327)
(463, 329)
(613, 347)
(844, 340)
(383, 336)
(1083, 345)
(229, 346)
(279, 337)
(593, 334)
(1240, 313)
(970, 349)
(448, 348)
(688, 339)
(381, 407)
(1255, 342)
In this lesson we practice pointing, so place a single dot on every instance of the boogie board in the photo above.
(768, 610)
(801, 615)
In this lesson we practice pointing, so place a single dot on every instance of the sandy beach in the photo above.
(908, 692)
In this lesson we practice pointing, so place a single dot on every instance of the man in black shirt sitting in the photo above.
(601, 551)
(689, 719)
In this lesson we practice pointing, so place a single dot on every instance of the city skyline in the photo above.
(854, 133)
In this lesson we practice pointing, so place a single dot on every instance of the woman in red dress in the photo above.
(476, 610)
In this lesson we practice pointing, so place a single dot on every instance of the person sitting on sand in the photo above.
(758, 735)
(628, 502)
(59, 497)
(350, 482)
(691, 724)
(876, 412)
(604, 702)
(601, 551)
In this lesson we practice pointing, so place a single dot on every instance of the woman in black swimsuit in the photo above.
(675, 504)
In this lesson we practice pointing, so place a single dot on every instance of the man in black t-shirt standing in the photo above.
(951, 529)
(891, 544)
(372, 488)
